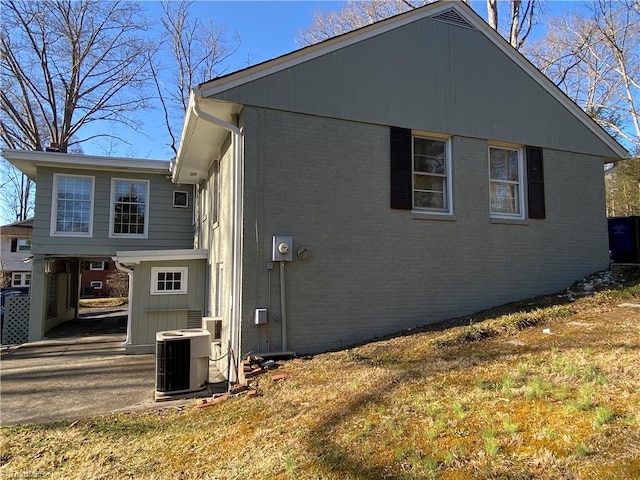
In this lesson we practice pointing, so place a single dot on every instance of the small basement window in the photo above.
(96, 285)
(180, 199)
(168, 281)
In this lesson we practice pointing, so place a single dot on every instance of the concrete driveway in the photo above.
(79, 371)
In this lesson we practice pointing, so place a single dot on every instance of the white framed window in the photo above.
(96, 266)
(24, 244)
(219, 301)
(96, 285)
(180, 199)
(72, 205)
(214, 194)
(506, 182)
(20, 279)
(169, 280)
(129, 208)
(432, 175)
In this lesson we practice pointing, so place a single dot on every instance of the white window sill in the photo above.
(71, 235)
(510, 221)
(420, 215)
(172, 292)
(138, 236)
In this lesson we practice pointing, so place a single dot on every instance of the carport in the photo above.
(80, 370)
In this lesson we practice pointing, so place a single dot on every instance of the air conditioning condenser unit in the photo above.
(182, 362)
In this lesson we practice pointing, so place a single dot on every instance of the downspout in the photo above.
(283, 307)
(237, 227)
(129, 272)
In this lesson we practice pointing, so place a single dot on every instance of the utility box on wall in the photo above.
(260, 317)
(282, 248)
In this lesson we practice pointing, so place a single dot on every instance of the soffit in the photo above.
(28, 161)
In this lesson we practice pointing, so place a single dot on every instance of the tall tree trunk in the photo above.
(515, 23)
(492, 13)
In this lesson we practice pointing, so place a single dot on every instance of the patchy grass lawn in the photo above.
(493, 397)
(102, 302)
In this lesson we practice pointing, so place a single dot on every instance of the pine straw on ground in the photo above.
(510, 402)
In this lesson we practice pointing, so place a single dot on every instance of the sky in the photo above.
(267, 29)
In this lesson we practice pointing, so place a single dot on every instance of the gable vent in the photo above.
(452, 17)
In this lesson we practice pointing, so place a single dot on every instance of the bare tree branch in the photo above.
(198, 52)
(71, 62)
(594, 56)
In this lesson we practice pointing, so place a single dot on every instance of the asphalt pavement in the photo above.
(80, 370)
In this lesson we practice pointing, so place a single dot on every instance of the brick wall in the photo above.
(374, 270)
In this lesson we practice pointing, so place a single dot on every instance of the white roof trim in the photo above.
(27, 161)
(134, 257)
(297, 57)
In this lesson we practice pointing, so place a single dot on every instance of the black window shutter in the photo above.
(535, 182)
(401, 195)
(14, 244)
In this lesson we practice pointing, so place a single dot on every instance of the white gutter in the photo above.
(238, 140)
(129, 272)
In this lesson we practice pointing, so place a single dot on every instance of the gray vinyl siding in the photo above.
(431, 76)
(154, 313)
(374, 270)
(169, 227)
(217, 237)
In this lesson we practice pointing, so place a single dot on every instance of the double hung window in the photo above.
(431, 175)
(72, 206)
(420, 172)
(506, 190)
(129, 208)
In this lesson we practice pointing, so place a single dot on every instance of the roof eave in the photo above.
(201, 140)
(28, 161)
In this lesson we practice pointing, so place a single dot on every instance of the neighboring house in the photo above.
(401, 174)
(15, 253)
(94, 276)
(87, 208)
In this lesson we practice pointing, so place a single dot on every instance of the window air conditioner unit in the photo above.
(182, 361)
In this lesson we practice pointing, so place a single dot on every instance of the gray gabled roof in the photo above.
(451, 12)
